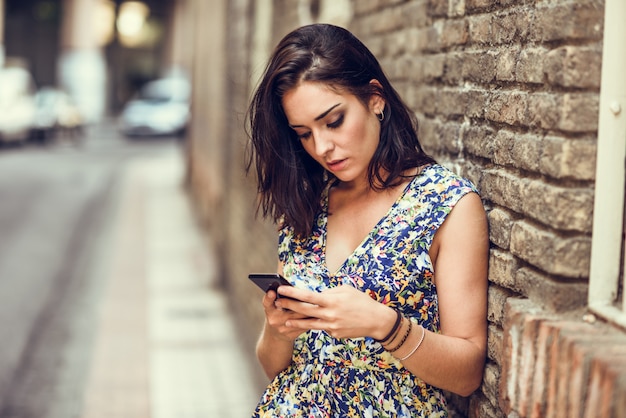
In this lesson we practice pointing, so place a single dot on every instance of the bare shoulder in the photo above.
(465, 226)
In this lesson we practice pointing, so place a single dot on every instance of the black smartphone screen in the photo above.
(268, 281)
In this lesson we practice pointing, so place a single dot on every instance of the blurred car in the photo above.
(17, 104)
(160, 108)
(56, 113)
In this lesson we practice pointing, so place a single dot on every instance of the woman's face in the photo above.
(335, 128)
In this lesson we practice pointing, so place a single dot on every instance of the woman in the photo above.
(388, 303)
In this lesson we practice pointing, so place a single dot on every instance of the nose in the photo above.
(323, 143)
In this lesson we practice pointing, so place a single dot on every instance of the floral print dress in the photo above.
(357, 377)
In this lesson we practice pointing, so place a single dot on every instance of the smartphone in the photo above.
(268, 281)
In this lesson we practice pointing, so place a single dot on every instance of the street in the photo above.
(55, 215)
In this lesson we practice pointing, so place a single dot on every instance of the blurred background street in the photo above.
(108, 297)
(112, 296)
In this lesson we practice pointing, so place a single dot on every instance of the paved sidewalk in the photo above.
(166, 346)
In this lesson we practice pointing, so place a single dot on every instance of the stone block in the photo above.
(502, 268)
(430, 38)
(433, 66)
(575, 66)
(509, 107)
(491, 382)
(568, 158)
(517, 150)
(504, 28)
(529, 68)
(497, 301)
(429, 132)
(479, 29)
(542, 110)
(454, 32)
(451, 102)
(479, 67)
(437, 8)
(502, 188)
(500, 224)
(563, 208)
(506, 63)
(479, 141)
(450, 137)
(566, 256)
(548, 293)
(479, 5)
(453, 68)
(576, 20)
(494, 343)
(579, 112)
(476, 103)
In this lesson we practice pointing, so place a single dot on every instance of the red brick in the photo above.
(606, 371)
(547, 354)
(583, 342)
(520, 328)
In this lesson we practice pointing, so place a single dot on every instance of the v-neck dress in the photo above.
(357, 377)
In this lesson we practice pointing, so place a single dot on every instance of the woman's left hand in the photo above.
(343, 312)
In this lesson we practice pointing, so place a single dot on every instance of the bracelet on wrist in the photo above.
(394, 329)
(406, 335)
(416, 347)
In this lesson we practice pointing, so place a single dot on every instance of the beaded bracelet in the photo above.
(396, 325)
(406, 335)
(417, 346)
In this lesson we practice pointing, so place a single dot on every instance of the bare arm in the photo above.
(275, 345)
(454, 359)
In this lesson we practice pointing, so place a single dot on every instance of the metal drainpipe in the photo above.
(608, 214)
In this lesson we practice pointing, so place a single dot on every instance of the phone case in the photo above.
(268, 281)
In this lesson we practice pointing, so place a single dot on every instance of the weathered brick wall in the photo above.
(506, 93)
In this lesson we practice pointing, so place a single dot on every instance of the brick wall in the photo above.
(507, 94)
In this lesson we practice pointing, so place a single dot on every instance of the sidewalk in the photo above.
(166, 346)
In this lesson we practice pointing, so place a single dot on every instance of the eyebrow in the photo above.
(320, 116)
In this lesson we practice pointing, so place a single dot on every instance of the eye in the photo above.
(303, 136)
(337, 123)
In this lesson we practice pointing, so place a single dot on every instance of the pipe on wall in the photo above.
(608, 217)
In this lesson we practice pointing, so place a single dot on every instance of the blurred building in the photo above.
(99, 51)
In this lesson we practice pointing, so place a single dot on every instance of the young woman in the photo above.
(386, 250)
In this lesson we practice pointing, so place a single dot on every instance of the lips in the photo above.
(336, 165)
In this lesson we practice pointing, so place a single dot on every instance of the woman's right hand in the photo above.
(275, 346)
(277, 317)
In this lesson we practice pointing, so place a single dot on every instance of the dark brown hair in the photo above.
(290, 182)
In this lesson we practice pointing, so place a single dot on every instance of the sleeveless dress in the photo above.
(357, 377)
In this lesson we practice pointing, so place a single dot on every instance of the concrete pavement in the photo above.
(166, 345)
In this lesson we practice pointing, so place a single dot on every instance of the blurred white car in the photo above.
(56, 113)
(160, 108)
(17, 104)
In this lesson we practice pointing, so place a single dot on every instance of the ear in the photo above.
(377, 102)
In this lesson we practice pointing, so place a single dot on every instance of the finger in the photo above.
(304, 309)
(305, 323)
(269, 298)
(301, 295)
